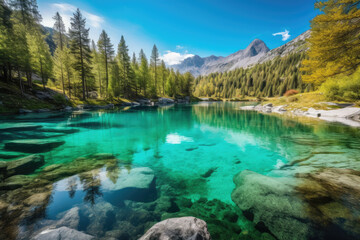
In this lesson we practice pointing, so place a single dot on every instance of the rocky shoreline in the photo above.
(144, 102)
(347, 115)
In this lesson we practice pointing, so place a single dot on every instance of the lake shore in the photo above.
(347, 115)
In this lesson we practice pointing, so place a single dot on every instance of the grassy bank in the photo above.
(304, 101)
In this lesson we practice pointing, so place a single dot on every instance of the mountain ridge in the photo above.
(256, 52)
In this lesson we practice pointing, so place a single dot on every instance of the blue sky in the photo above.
(181, 28)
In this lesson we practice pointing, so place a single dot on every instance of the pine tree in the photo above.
(40, 56)
(6, 35)
(125, 68)
(154, 64)
(79, 45)
(106, 50)
(144, 73)
(60, 41)
(96, 66)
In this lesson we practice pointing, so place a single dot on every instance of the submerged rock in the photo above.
(138, 185)
(209, 172)
(32, 145)
(63, 233)
(178, 228)
(274, 203)
(10, 155)
(26, 165)
(15, 182)
(7, 127)
(334, 201)
(60, 130)
(71, 219)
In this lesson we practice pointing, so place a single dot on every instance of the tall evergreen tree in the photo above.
(106, 50)
(144, 72)
(125, 68)
(154, 60)
(79, 45)
(59, 39)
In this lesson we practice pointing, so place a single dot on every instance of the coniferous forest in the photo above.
(81, 68)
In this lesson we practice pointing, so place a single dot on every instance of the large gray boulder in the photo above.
(272, 203)
(186, 228)
(33, 145)
(63, 233)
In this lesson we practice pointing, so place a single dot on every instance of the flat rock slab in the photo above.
(63, 233)
(59, 130)
(141, 178)
(189, 228)
(10, 155)
(32, 145)
(9, 127)
(15, 182)
(26, 165)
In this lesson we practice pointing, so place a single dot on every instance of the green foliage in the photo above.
(342, 88)
(269, 79)
(74, 67)
(79, 46)
(334, 41)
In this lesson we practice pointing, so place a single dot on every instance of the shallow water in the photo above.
(194, 152)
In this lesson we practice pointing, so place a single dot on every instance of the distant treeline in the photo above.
(78, 66)
(269, 79)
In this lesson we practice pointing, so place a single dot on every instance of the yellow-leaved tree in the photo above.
(334, 41)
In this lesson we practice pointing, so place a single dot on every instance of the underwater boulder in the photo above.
(15, 182)
(63, 233)
(178, 228)
(137, 184)
(274, 202)
(333, 197)
(8, 127)
(25, 165)
(33, 145)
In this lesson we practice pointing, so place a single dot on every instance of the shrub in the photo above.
(343, 88)
(291, 92)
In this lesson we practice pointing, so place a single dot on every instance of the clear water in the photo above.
(196, 150)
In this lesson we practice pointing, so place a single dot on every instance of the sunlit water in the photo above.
(195, 149)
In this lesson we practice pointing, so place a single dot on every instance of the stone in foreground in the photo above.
(33, 145)
(188, 228)
(63, 233)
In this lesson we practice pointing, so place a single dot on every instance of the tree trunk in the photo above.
(62, 79)
(42, 74)
(68, 77)
(82, 69)
(20, 82)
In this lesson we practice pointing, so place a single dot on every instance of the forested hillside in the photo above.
(269, 79)
(71, 62)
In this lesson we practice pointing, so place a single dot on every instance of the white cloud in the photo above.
(178, 47)
(285, 35)
(66, 11)
(172, 58)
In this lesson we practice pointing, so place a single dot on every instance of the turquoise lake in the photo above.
(194, 151)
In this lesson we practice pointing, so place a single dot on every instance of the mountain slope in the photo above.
(242, 58)
(256, 52)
